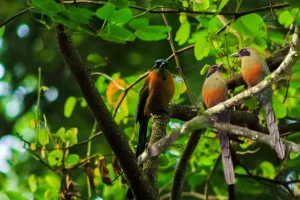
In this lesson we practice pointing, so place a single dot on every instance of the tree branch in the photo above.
(115, 138)
(178, 66)
(200, 122)
(159, 127)
(180, 171)
(170, 10)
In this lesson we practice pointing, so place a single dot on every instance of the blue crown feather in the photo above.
(161, 61)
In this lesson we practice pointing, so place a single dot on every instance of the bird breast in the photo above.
(161, 92)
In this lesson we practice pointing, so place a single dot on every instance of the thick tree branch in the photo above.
(200, 122)
(115, 138)
(158, 131)
(180, 171)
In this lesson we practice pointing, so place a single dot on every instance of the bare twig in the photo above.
(271, 7)
(141, 77)
(181, 51)
(109, 78)
(178, 67)
(15, 16)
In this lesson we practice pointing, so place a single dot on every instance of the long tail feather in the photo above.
(265, 101)
(226, 154)
(273, 129)
(140, 148)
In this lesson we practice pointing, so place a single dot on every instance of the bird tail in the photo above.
(142, 137)
(226, 153)
(273, 129)
(140, 148)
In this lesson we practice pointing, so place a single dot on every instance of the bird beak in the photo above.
(235, 55)
(220, 65)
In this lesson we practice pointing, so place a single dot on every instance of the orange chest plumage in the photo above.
(212, 97)
(253, 75)
(161, 92)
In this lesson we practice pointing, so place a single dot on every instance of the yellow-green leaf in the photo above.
(69, 106)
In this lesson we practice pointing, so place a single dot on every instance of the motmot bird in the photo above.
(214, 91)
(155, 95)
(254, 70)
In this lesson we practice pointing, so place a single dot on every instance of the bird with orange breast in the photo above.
(254, 70)
(214, 91)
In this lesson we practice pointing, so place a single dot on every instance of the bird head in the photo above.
(160, 64)
(213, 69)
(247, 53)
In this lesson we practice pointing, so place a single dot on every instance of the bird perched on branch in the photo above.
(214, 91)
(254, 70)
(155, 95)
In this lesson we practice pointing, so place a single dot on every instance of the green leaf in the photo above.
(55, 158)
(69, 106)
(268, 169)
(83, 103)
(139, 23)
(222, 4)
(12, 195)
(295, 80)
(115, 33)
(202, 48)
(261, 42)
(200, 5)
(71, 136)
(72, 160)
(251, 25)
(106, 12)
(286, 18)
(96, 59)
(32, 182)
(80, 15)
(204, 69)
(61, 132)
(279, 108)
(251, 103)
(183, 33)
(122, 16)
(152, 33)
(2, 29)
(43, 137)
(294, 155)
(47, 7)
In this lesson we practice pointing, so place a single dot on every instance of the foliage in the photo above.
(45, 109)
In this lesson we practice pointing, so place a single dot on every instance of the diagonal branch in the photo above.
(178, 66)
(200, 122)
(113, 135)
